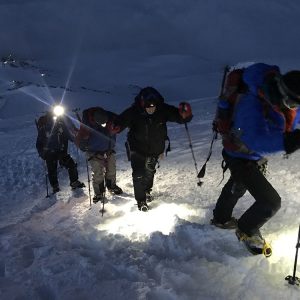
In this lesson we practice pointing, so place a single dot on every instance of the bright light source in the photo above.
(103, 125)
(58, 110)
(137, 225)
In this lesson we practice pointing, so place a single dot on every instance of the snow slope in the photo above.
(99, 53)
(61, 248)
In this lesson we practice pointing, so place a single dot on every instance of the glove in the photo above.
(112, 128)
(292, 141)
(185, 111)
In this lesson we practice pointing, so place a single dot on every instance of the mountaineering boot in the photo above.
(231, 224)
(142, 206)
(99, 197)
(55, 189)
(255, 243)
(149, 197)
(115, 190)
(77, 185)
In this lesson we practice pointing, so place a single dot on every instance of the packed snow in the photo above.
(99, 53)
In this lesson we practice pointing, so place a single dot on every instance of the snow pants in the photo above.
(103, 167)
(66, 161)
(143, 170)
(247, 175)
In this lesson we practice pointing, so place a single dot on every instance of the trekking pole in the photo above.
(103, 202)
(76, 112)
(88, 176)
(293, 280)
(199, 183)
(46, 177)
(201, 174)
(102, 210)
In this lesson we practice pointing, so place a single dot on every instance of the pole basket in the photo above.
(292, 279)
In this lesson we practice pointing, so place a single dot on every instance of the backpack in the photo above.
(233, 88)
(83, 134)
(41, 122)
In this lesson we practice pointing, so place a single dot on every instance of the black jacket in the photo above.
(148, 133)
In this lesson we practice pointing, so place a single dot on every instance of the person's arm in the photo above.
(123, 120)
(182, 114)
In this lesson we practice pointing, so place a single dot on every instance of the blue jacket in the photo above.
(259, 130)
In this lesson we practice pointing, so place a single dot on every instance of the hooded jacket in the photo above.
(148, 132)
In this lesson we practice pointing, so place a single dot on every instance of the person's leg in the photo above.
(97, 163)
(138, 174)
(67, 161)
(267, 201)
(231, 193)
(150, 170)
(51, 163)
(110, 175)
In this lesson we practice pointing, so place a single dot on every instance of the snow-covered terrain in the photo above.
(100, 53)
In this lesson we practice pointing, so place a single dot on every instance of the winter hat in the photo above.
(149, 97)
(100, 116)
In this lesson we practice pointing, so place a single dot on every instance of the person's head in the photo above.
(100, 117)
(149, 98)
(284, 90)
(289, 89)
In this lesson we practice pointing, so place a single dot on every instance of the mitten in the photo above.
(185, 111)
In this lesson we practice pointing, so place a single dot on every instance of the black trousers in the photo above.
(247, 175)
(65, 160)
(143, 170)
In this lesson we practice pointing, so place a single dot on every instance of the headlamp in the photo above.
(58, 110)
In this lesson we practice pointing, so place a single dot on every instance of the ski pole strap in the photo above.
(201, 174)
(224, 166)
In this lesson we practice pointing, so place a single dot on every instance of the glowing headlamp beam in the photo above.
(58, 110)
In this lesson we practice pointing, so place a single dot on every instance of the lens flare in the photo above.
(58, 110)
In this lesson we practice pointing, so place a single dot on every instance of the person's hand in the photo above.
(112, 128)
(185, 111)
(292, 141)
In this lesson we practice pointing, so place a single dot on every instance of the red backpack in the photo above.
(232, 87)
